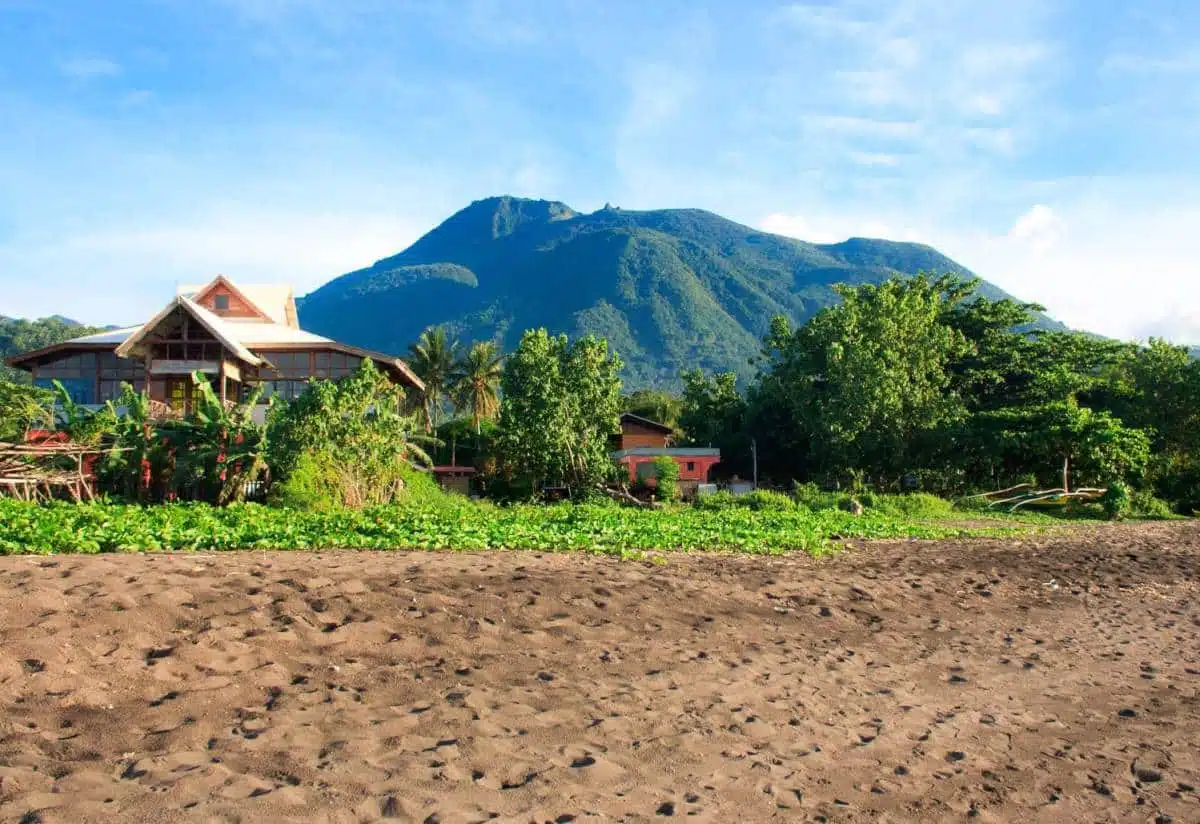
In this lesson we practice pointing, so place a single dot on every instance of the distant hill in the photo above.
(670, 289)
(19, 335)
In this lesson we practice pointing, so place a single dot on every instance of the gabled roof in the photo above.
(629, 417)
(241, 336)
(274, 302)
(215, 325)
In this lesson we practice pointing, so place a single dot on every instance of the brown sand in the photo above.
(1054, 680)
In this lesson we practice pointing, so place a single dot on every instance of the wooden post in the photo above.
(1066, 474)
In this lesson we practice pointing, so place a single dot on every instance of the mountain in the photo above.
(670, 289)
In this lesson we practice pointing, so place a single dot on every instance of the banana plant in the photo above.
(219, 447)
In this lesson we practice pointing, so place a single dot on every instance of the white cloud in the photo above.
(834, 229)
(1112, 260)
(85, 68)
(1178, 325)
(1039, 228)
(1108, 258)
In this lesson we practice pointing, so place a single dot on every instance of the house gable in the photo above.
(225, 300)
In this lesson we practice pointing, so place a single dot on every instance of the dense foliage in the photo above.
(453, 523)
(655, 405)
(666, 478)
(345, 443)
(668, 289)
(916, 383)
(561, 404)
(22, 408)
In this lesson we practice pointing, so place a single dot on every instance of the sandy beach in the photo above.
(1051, 679)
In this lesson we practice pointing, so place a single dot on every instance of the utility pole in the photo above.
(754, 456)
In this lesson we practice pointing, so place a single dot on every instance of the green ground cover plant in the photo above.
(458, 524)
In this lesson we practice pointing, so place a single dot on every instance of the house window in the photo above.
(80, 390)
(691, 466)
(221, 303)
(286, 390)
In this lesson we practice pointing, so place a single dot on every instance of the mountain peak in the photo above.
(504, 214)
(669, 288)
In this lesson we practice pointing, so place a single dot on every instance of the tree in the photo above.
(474, 382)
(561, 404)
(654, 405)
(714, 415)
(432, 359)
(1161, 384)
(1087, 447)
(866, 382)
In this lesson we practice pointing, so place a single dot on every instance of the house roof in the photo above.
(215, 325)
(272, 300)
(629, 417)
(247, 338)
(647, 451)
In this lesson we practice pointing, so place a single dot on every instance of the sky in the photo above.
(1047, 145)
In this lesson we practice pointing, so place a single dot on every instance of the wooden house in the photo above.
(238, 336)
(642, 440)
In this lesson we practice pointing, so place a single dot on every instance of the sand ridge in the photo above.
(1051, 679)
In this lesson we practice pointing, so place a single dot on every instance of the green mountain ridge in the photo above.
(670, 289)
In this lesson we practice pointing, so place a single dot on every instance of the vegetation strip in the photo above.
(462, 525)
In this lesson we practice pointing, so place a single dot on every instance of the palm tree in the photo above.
(432, 358)
(475, 381)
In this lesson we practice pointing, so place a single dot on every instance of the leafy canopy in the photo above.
(561, 404)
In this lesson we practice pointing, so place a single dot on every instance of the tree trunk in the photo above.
(1066, 473)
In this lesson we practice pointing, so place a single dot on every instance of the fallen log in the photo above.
(621, 496)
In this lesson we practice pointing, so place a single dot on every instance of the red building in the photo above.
(642, 440)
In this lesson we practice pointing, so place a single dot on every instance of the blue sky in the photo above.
(1049, 145)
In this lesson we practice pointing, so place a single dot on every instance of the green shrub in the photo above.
(767, 500)
(910, 505)
(1146, 506)
(717, 501)
(1116, 500)
(666, 475)
(367, 444)
(420, 485)
(317, 484)
(813, 497)
(312, 485)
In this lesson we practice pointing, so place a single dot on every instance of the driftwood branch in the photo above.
(621, 496)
